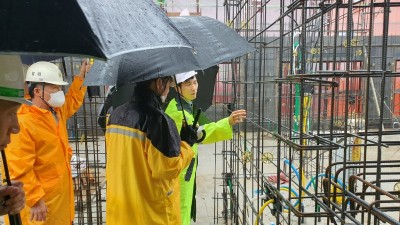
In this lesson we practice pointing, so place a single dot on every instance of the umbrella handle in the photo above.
(14, 219)
(196, 119)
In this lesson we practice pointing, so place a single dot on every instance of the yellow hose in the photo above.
(262, 209)
(356, 151)
(303, 178)
(306, 109)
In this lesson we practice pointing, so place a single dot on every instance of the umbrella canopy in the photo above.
(214, 43)
(99, 28)
(139, 67)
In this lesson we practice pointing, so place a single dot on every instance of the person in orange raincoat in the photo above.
(40, 155)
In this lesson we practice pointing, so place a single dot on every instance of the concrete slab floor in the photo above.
(205, 183)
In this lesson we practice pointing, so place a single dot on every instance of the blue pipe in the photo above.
(322, 175)
(293, 168)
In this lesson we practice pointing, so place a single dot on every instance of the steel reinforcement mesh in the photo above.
(320, 144)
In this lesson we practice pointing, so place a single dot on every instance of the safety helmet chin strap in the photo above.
(180, 101)
(45, 102)
(197, 116)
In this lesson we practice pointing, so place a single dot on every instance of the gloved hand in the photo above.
(188, 134)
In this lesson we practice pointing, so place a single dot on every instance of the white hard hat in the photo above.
(12, 79)
(185, 12)
(180, 77)
(45, 72)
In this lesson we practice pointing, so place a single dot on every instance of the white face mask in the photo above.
(57, 99)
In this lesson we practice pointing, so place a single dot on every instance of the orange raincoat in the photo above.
(40, 157)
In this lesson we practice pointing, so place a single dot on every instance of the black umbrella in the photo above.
(139, 67)
(214, 43)
(99, 28)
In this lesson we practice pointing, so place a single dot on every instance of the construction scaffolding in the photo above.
(322, 99)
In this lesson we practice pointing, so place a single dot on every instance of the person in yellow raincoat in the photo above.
(208, 132)
(145, 155)
(11, 98)
(40, 154)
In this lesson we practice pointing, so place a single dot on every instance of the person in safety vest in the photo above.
(145, 155)
(12, 198)
(40, 154)
(182, 110)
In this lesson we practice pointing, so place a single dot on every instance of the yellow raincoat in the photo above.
(40, 157)
(144, 158)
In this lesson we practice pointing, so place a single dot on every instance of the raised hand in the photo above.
(237, 116)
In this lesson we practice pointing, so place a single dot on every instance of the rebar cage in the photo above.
(88, 163)
(320, 141)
